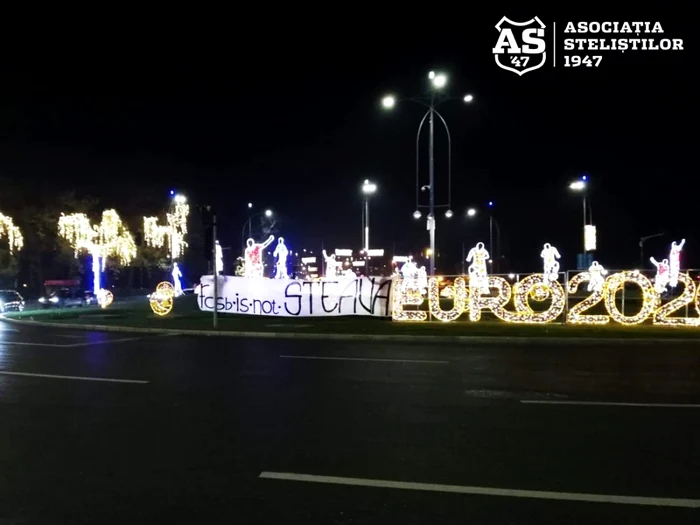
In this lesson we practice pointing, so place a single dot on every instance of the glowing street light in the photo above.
(250, 205)
(249, 225)
(434, 97)
(581, 186)
(268, 213)
(368, 188)
(388, 102)
(471, 212)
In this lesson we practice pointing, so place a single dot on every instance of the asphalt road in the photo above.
(200, 430)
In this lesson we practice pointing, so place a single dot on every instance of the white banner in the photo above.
(291, 298)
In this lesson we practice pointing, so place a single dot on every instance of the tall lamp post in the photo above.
(494, 249)
(248, 224)
(437, 82)
(368, 188)
(582, 186)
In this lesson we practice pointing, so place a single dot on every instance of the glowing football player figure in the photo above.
(409, 273)
(674, 259)
(281, 253)
(422, 280)
(333, 267)
(662, 274)
(551, 266)
(219, 259)
(478, 273)
(253, 257)
(597, 279)
(177, 275)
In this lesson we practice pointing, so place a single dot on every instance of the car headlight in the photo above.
(54, 299)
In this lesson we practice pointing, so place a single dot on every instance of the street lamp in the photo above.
(248, 224)
(471, 212)
(368, 188)
(582, 185)
(250, 205)
(437, 82)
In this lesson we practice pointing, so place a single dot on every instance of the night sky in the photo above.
(298, 126)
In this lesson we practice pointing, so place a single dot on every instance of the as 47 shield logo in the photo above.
(521, 46)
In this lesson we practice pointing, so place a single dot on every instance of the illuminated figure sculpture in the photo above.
(662, 274)
(422, 280)
(598, 273)
(177, 275)
(675, 262)
(253, 257)
(333, 267)
(478, 273)
(551, 266)
(281, 253)
(409, 273)
(219, 259)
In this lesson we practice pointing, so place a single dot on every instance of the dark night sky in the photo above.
(298, 126)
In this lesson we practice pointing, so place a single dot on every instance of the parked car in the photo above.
(11, 301)
(64, 298)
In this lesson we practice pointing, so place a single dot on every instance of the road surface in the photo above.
(120, 428)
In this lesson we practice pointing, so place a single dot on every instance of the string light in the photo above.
(575, 315)
(478, 302)
(12, 232)
(163, 299)
(650, 298)
(549, 256)
(459, 299)
(539, 288)
(175, 229)
(109, 239)
(104, 298)
(661, 315)
(253, 257)
(409, 297)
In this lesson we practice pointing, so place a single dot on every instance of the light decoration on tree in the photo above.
(109, 239)
(12, 232)
(163, 299)
(175, 229)
(478, 273)
(674, 258)
(253, 257)
(650, 298)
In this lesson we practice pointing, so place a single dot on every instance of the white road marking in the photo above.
(104, 342)
(486, 491)
(326, 358)
(601, 403)
(76, 378)
(70, 345)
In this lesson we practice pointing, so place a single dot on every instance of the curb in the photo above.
(557, 341)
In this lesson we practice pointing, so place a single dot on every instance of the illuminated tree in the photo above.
(15, 241)
(174, 230)
(110, 239)
(9, 230)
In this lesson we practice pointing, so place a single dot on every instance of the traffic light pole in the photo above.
(215, 273)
